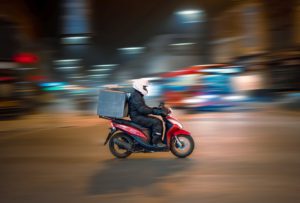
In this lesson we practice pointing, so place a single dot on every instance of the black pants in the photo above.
(152, 123)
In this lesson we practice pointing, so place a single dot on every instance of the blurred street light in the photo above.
(26, 58)
(100, 70)
(76, 40)
(69, 67)
(190, 16)
(189, 12)
(105, 65)
(233, 69)
(183, 44)
(77, 77)
(66, 61)
(32, 68)
(99, 75)
(132, 50)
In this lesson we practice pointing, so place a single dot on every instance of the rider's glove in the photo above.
(164, 113)
(156, 111)
(159, 111)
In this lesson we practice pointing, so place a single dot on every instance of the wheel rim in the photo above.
(185, 145)
(119, 149)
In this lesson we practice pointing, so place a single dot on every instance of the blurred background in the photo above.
(223, 65)
(224, 53)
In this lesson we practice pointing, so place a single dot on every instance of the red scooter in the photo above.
(126, 137)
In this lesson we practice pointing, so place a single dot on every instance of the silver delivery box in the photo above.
(112, 104)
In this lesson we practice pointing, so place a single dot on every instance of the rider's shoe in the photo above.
(160, 144)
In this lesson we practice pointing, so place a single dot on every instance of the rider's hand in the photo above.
(159, 111)
(163, 113)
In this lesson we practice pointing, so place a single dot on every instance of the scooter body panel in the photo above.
(174, 130)
(139, 137)
(143, 140)
(131, 131)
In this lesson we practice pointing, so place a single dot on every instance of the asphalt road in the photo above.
(251, 157)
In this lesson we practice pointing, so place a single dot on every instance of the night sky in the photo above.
(118, 23)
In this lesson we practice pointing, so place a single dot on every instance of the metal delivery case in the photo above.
(112, 104)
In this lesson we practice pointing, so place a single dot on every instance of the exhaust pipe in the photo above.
(123, 144)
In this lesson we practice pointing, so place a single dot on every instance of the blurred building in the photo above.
(75, 39)
(253, 27)
(263, 36)
(162, 54)
(296, 22)
(17, 13)
(26, 34)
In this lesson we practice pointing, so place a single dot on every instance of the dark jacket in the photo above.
(137, 106)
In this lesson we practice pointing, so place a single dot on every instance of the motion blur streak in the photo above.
(228, 68)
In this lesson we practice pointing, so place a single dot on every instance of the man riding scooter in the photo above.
(139, 111)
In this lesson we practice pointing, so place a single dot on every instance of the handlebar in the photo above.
(164, 108)
(161, 105)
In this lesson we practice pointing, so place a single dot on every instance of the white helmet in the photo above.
(141, 85)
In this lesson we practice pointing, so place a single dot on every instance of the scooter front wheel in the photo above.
(185, 146)
(118, 150)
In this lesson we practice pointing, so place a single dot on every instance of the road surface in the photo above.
(249, 157)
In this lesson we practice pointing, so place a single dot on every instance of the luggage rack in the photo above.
(105, 117)
(126, 122)
(111, 118)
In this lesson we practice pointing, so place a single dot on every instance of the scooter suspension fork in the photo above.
(178, 142)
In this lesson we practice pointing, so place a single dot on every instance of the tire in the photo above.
(181, 152)
(114, 148)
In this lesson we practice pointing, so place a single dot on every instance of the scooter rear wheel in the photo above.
(115, 149)
(186, 148)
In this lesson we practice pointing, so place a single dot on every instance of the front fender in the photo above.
(181, 132)
(176, 133)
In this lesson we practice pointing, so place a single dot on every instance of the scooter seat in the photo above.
(132, 124)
